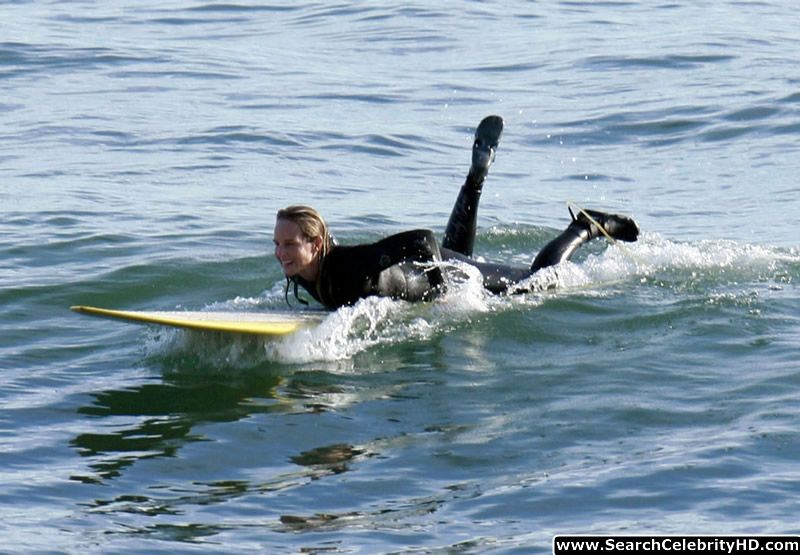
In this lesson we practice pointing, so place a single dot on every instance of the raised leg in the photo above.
(459, 235)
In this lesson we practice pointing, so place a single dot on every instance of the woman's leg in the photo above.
(580, 230)
(502, 278)
(459, 235)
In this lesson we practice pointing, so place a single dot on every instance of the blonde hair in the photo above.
(310, 223)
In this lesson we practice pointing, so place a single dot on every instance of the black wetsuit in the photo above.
(404, 266)
(401, 266)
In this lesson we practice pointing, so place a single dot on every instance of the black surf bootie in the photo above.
(487, 137)
(621, 228)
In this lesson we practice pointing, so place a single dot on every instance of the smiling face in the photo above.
(297, 253)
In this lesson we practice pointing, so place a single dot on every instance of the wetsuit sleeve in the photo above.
(384, 268)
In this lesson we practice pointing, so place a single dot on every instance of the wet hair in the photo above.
(310, 223)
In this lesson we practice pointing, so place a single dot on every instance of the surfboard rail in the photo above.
(255, 323)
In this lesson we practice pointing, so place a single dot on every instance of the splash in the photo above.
(380, 321)
(350, 330)
(712, 264)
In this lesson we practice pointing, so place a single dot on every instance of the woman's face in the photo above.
(297, 254)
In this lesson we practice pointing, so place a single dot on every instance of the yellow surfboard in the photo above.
(258, 323)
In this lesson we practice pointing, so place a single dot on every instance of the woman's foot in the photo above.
(621, 228)
(487, 137)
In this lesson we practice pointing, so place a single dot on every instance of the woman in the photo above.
(406, 265)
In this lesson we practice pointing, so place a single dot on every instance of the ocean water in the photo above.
(145, 149)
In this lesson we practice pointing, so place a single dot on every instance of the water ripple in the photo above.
(677, 124)
(676, 62)
(23, 58)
